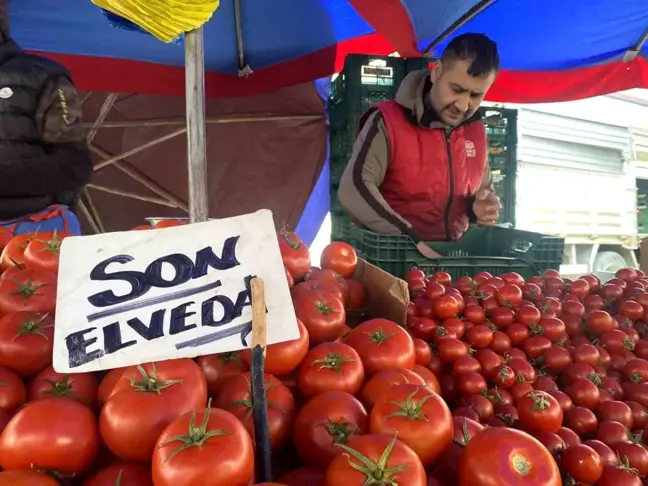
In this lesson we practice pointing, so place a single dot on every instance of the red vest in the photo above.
(431, 175)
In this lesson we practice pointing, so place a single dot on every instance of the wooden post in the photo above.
(263, 454)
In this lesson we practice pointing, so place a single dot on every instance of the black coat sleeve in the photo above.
(65, 163)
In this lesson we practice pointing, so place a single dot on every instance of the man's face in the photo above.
(455, 94)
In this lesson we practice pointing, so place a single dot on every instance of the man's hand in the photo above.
(426, 251)
(486, 207)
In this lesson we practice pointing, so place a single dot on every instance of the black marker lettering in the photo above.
(208, 311)
(108, 297)
(179, 316)
(77, 345)
(182, 265)
(154, 330)
(113, 339)
(206, 258)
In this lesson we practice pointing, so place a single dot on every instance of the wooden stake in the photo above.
(263, 454)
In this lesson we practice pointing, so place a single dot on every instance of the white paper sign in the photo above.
(139, 296)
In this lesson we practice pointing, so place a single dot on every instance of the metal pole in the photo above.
(196, 126)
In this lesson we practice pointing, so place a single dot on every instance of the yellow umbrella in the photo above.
(164, 19)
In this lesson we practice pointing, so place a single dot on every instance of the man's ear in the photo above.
(436, 71)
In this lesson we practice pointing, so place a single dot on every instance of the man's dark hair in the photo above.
(478, 48)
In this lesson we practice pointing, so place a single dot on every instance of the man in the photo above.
(420, 165)
(44, 158)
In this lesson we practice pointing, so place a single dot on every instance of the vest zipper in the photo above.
(448, 133)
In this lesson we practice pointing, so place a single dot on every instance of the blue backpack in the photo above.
(54, 218)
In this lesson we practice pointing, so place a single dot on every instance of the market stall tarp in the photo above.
(551, 50)
(254, 160)
(285, 42)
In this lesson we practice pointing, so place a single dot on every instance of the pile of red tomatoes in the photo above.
(546, 378)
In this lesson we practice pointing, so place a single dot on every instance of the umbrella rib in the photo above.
(632, 53)
(460, 22)
(244, 69)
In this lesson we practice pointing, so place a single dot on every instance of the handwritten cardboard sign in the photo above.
(134, 297)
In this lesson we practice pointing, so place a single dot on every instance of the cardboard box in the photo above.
(387, 296)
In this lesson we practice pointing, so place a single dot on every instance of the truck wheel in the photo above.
(609, 261)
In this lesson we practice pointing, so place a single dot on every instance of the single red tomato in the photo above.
(188, 448)
(121, 474)
(539, 412)
(107, 385)
(584, 393)
(419, 417)
(615, 411)
(13, 393)
(445, 307)
(431, 381)
(78, 386)
(56, 434)
(27, 477)
(357, 295)
(607, 455)
(423, 352)
(26, 342)
(295, 254)
(340, 257)
(382, 382)
(145, 400)
(170, 223)
(582, 463)
(619, 475)
(510, 295)
(382, 345)
(503, 456)
(634, 455)
(220, 368)
(581, 420)
(325, 421)
(330, 367)
(323, 315)
(282, 358)
(236, 397)
(612, 433)
(375, 459)
(33, 291)
(43, 254)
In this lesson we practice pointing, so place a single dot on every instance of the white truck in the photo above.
(577, 170)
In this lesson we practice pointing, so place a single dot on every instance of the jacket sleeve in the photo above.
(66, 163)
(359, 187)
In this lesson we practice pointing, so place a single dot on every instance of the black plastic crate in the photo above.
(364, 81)
(493, 249)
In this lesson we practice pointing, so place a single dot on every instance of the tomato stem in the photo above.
(409, 409)
(324, 307)
(30, 326)
(150, 383)
(594, 378)
(26, 290)
(61, 388)
(379, 336)
(540, 401)
(636, 377)
(196, 437)
(53, 244)
(118, 481)
(333, 361)
(340, 431)
(377, 472)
